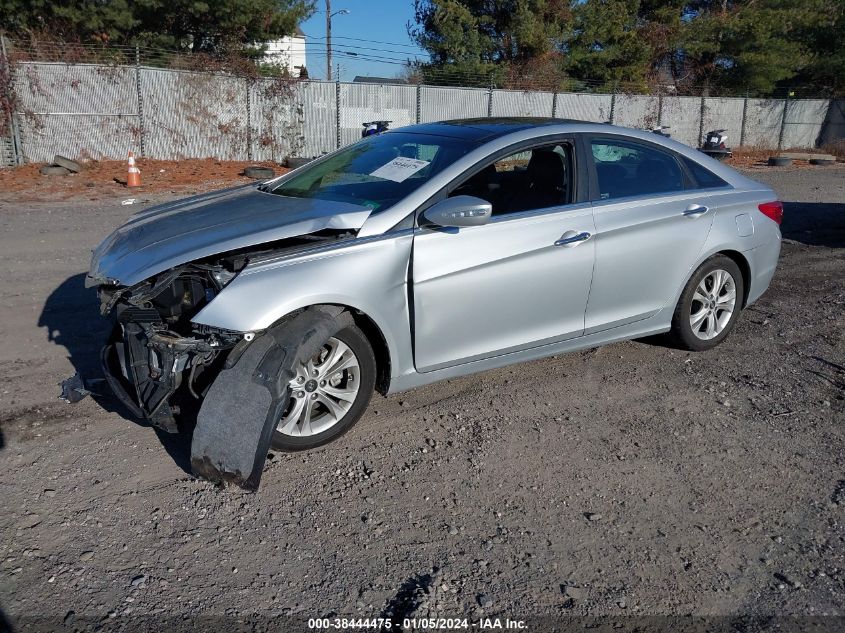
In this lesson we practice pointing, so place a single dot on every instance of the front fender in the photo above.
(369, 275)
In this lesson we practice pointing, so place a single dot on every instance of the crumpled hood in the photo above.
(178, 232)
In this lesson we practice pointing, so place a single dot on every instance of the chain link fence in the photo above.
(102, 110)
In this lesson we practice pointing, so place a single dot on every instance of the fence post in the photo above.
(613, 103)
(17, 148)
(249, 120)
(337, 110)
(141, 130)
(659, 109)
(701, 120)
(490, 98)
(554, 104)
(744, 114)
(419, 102)
(783, 120)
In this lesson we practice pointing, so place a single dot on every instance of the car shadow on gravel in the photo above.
(814, 223)
(5, 623)
(72, 317)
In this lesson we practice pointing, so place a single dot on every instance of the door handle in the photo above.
(694, 210)
(573, 240)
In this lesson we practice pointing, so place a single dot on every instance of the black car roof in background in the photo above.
(481, 129)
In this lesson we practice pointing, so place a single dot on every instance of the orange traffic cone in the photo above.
(133, 179)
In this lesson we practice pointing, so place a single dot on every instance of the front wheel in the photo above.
(328, 393)
(709, 305)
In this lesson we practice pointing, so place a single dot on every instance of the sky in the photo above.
(374, 30)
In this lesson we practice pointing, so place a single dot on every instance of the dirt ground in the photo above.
(106, 180)
(627, 481)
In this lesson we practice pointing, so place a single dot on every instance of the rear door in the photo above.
(520, 281)
(651, 225)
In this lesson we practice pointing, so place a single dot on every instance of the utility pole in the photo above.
(328, 40)
(329, 16)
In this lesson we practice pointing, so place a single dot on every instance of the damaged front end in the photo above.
(157, 362)
(155, 275)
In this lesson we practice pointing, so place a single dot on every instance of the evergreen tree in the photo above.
(728, 46)
(741, 45)
(480, 39)
(606, 44)
(825, 41)
(207, 25)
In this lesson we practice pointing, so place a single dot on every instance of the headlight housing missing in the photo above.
(222, 277)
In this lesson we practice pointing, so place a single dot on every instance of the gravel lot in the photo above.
(629, 480)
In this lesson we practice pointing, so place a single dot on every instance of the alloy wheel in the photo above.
(713, 304)
(323, 391)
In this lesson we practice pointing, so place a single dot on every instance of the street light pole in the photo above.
(328, 40)
(329, 16)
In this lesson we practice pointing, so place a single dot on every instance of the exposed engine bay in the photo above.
(156, 361)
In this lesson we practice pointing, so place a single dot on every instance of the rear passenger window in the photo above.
(704, 178)
(630, 169)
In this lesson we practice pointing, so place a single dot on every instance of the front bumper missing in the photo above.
(145, 369)
(150, 371)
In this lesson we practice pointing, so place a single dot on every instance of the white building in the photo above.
(288, 52)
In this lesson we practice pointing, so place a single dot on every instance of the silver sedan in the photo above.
(269, 314)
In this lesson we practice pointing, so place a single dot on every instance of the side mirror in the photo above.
(459, 211)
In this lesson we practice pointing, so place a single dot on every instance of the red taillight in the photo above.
(772, 210)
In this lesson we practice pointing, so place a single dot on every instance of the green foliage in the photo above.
(824, 39)
(196, 25)
(479, 40)
(758, 46)
(606, 44)
(747, 45)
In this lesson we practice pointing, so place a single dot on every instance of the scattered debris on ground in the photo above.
(98, 180)
(758, 158)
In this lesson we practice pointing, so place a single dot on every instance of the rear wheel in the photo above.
(328, 393)
(710, 304)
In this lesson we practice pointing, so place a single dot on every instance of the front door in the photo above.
(650, 228)
(518, 282)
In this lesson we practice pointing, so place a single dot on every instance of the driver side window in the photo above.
(536, 178)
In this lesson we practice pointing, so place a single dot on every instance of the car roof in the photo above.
(482, 129)
(486, 131)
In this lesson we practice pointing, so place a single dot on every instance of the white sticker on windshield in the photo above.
(399, 169)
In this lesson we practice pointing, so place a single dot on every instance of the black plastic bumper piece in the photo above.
(238, 416)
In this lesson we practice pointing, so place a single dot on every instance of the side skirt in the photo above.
(657, 324)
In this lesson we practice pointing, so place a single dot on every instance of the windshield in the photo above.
(378, 171)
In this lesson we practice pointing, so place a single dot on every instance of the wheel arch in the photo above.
(744, 267)
(372, 331)
(380, 348)
(737, 257)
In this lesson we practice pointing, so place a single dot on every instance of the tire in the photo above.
(822, 161)
(259, 173)
(54, 170)
(294, 162)
(777, 161)
(365, 377)
(717, 323)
